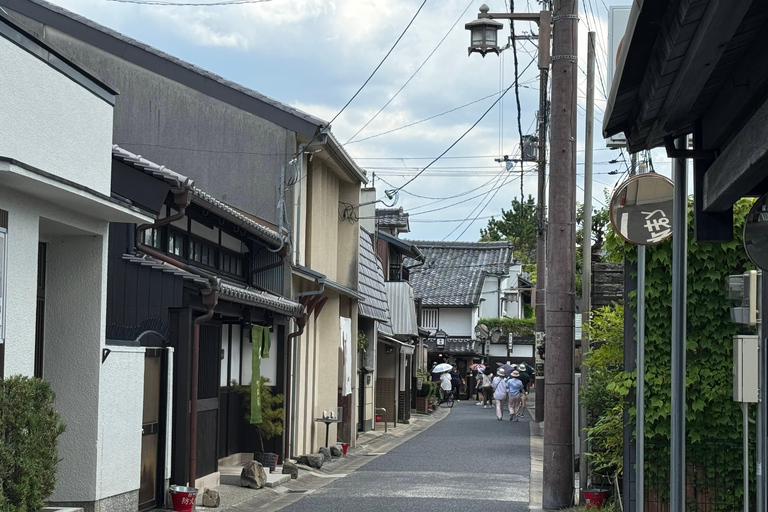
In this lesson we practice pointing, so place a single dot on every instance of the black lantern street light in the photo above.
(484, 33)
(440, 337)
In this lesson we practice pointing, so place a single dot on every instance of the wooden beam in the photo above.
(707, 227)
(742, 164)
(719, 23)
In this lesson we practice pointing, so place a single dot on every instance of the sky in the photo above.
(316, 54)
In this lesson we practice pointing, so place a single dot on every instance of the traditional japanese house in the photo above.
(198, 288)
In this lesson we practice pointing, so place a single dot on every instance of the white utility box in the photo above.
(745, 369)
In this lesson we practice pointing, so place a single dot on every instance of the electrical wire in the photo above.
(413, 75)
(517, 91)
(462, 135)
(189, 4)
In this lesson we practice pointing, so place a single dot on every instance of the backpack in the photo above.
(500, 390)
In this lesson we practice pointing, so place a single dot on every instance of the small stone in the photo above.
(211, 498)
(303, 460)
(253, 475)
(326, 453)
(292, 469)
(336, 451)
(315, 460)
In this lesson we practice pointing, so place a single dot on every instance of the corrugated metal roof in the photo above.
(200, 197)
(455, 346)
(371, 282)
(454, 272)
(229, 291)
(402, 308)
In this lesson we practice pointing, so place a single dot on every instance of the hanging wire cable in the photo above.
(462, 135)
(413, 75)
(517, 95)
(189, 4)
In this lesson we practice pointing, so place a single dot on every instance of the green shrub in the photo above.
(29, 428)
(271, 410)
(516, 326)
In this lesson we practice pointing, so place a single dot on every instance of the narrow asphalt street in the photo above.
(467, 461)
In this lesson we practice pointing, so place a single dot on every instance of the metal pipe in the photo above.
(301, 322)
(679, 289)
(745, 436)
(640, 387)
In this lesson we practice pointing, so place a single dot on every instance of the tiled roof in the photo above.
(392, 218)
(229, 291)
(453, 273)
(371, 282)
(454, 346)
(200, 197)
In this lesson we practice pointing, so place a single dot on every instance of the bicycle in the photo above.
(447, 399)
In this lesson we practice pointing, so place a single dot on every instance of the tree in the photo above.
(600, 221)
(517, 225)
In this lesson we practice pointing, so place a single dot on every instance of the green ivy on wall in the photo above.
(517, 326)
(713, 420)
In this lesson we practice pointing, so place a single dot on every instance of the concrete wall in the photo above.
(323, 222)
(232, 154)
(348, 241)
(456, 321)
(43, 108)
(74, 315)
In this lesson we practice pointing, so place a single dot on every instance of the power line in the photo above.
(189, 4)
(413, 75)
(462, 135)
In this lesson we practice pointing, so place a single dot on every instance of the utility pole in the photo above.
(541, 211)
(561, 230)
(586, 248)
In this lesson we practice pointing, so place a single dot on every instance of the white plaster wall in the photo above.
(489, 308)
(169, 416)
(121, 404)
(24, 214)
(43, 108)
(75, 312)
(456, 321)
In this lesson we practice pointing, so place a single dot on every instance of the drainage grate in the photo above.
(297, 491)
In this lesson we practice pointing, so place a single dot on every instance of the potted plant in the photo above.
(271, 419)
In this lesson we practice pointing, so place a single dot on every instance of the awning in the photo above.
(321, 279)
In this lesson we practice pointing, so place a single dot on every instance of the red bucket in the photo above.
(379, 418)
(183, 498)
(595, 498)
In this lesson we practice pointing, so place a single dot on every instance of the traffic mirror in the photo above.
(641, 209)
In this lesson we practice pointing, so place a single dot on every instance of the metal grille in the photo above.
(3, 219)
(430, 319)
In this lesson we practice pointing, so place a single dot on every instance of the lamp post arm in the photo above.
(514, 16)
(543, 19)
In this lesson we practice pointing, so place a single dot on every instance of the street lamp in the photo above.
(440, 337)
(484, 33)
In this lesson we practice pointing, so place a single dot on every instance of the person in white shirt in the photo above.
(445, 384)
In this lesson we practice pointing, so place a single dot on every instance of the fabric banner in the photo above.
(260, 345)
(347, 351)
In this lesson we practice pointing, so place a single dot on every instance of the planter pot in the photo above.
(595, 498)
(422, 405)
(266, 459)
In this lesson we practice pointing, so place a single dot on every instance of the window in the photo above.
(175, 243)
(429, 319)
(151, 237)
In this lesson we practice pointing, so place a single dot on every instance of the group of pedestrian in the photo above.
(508, 387)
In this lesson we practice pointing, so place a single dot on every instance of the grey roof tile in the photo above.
(229, 291)
(453, 273)
(201, 197)
(371, 282)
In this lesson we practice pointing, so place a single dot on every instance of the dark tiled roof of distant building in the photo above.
(371, 282)
(393, 218)
(453, 273)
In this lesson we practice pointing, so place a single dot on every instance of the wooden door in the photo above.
(209, 367)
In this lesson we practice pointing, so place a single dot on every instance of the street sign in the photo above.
(641, 209)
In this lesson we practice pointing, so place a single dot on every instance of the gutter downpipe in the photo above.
(210, 298)
(301, 322)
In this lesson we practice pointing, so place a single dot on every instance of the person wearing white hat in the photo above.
(526, 380)
(499, 391)
(514, 391)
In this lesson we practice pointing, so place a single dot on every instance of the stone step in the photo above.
(230, 475)
(61, 509)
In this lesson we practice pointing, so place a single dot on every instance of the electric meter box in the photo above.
(745, 368)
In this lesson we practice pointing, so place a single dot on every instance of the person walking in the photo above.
(526, 380)
(456, 382)
(479, 387)
(499, 385)
(487, 389)
(514, 393)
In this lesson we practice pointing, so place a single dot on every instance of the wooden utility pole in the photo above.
(586, 249)
(561, 242)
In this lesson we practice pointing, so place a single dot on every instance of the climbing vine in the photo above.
(713, 420)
